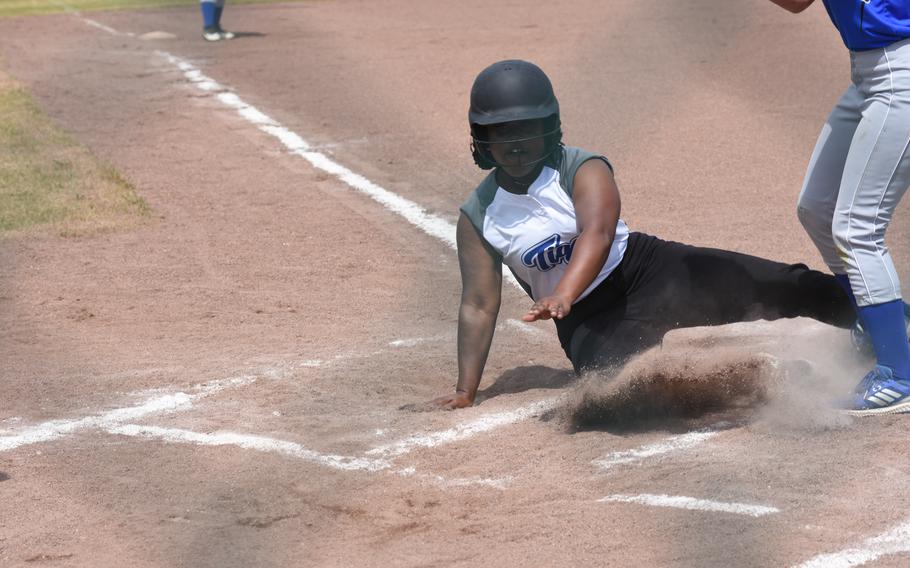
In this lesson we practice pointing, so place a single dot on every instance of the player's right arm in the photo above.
(481, 295)
(795, 6)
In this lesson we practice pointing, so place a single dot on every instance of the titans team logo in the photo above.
(548, 253)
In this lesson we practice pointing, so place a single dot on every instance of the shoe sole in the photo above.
(894, 409)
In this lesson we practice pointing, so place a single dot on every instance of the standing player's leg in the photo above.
(219, 9)
(822, 182)
(876, 176)
(211, 20)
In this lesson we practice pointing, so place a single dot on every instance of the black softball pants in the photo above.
(662, 285)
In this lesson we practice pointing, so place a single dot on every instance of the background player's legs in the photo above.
(211, 20)
(818, 197)
(875, 178)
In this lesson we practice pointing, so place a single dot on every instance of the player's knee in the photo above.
(849, 234)
(817, 223)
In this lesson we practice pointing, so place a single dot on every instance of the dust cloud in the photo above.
(778, 376)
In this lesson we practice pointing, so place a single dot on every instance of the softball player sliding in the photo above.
(551, 214)
(211, 20)
(858, 173)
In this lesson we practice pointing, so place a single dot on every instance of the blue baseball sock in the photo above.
(886, 327)
(209, 19)
(218, 11)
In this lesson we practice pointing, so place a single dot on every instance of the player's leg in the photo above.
(818, 197)
(219, 9)
(876, 176)
(690, 286)
(605, 342)
(663, 285)
(210, 20)
(610, 326)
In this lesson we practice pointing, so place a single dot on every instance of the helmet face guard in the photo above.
(512, 91)
(483, 156)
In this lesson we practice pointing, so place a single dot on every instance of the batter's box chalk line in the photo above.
(121, 422)
(692, 504)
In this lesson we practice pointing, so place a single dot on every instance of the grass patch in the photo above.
(49, 180)
(40, 7)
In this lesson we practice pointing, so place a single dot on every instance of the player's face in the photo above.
(517, 146)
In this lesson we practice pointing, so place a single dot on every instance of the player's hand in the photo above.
(448, 402)
(549, 307)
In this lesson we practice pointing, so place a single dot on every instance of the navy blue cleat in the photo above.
(880, 393)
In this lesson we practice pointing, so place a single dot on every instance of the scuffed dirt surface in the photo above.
(336, 312)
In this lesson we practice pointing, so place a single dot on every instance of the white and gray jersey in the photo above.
(535, 233)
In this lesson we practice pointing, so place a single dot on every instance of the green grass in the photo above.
(48, 180)
(40, 7)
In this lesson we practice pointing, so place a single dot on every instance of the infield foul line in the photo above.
(432, 225)
(895, 541)
(691, 503)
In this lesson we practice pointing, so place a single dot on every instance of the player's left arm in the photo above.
(597, 207)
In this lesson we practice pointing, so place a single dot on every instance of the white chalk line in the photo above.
(895, 541)
(162, 402)
(691, 503)
(250, 442)
(415, 214)
(465, 430)
(433, 225)
(379, 458)
(55, 429)
(671, 444)
(496, 483)
(295, 451)
(93, 23)
(415, 341)
(157, 404)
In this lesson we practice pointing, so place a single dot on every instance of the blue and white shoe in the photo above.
(861, 341)
(880, 393)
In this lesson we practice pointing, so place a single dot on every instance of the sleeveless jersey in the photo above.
(534, 234)
(870, 24)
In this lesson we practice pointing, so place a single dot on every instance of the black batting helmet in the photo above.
(509, 91)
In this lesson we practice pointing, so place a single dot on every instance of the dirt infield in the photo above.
(222, 386)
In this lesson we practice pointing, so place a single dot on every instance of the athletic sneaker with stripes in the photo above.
(880, 393)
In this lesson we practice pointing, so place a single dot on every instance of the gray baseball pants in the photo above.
(859, 171)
